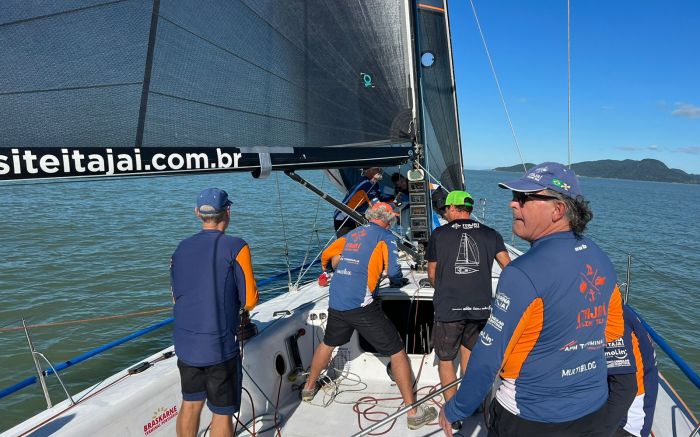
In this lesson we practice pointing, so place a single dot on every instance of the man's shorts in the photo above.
(220, 384)
(370, 321)
(447, 337)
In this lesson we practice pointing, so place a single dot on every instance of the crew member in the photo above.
(360, 257)
(359, 198)
(556, 307)
(633, 380)
(211, 280)
(460, 257)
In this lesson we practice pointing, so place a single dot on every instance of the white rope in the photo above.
(498, 85)
(568, 66)
(284, 231)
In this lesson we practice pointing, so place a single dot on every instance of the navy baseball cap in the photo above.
(212, 201)
(548, 175)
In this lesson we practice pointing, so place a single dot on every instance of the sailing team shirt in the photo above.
(556, 307)
(211, 276)
(359, 197)
(464, 250)
(639, 349)
(365, 252)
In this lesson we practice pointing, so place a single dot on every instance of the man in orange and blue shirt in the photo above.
(633, 380)
(359, 198)
(212, 280)
(556, 307)
(360, 258)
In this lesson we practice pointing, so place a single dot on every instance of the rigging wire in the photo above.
(313, 230)
(568, 82)
(498, 85)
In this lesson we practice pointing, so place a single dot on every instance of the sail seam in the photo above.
(147, 73)
(41, 17)
(73, 88)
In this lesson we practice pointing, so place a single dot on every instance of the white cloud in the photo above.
(686, 110)
(652, 148)
(690, 150)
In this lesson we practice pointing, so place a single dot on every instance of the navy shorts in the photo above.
(370, 321)
(220, 384)
(447, 337)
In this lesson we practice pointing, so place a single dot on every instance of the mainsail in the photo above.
(252, 76)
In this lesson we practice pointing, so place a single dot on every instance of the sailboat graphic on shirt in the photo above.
(468, 256)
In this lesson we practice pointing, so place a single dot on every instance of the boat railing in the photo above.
(54, 369)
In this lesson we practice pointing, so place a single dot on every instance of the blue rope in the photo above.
(685, 368)
(87, 355)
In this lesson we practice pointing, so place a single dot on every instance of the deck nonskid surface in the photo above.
(354, 402)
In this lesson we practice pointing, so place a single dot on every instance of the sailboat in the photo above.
(468, 256)
(127, 88)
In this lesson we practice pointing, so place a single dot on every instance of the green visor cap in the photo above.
(459, 198)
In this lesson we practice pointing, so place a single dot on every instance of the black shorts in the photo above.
(219, 384)
(503, 423)
(370, 322)
(447, 337)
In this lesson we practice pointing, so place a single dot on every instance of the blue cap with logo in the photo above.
(212, 201)
(548, 175)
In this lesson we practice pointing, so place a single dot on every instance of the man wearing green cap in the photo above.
(460, 257)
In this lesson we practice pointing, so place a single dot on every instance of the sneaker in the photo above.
(423, 416)
(308, 395)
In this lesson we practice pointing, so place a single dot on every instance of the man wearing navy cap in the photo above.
(211, 280)
(556, 307)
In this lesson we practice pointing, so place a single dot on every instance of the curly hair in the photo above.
(578, 211)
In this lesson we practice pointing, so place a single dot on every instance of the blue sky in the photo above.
(635, 81)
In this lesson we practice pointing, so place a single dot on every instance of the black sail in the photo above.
(258, 76)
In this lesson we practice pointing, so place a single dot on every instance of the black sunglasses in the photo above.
(521, 198)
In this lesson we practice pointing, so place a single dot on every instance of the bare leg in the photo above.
(464, 359)
(321, 358)
(401, 369)
(446, 370)
(221, 426)
(187, 423)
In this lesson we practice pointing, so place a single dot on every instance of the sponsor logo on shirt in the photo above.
(595, 316)
(617, 354)
(353, 247)
(497, 324)
(465, 226)
(344, 272)
(502, 302)
(468, 308)
(591, 283)
(485, 338)
(591, 345)
(565, 373)
(351, 260)
(580, 248)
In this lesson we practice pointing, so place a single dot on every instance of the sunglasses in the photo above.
(521, 198)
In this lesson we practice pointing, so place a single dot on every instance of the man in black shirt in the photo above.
(460, 257)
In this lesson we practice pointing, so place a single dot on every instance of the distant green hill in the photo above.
(644, 170)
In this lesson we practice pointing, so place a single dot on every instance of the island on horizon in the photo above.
(644, 170)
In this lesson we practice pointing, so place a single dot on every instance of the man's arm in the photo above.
(331, 252)
(495, 349)
(432, 267)
(502, 258)
(245, 280)
(615, 325)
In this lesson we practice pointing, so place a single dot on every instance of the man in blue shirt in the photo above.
(211, 280)
(359, 198)
(556, 306)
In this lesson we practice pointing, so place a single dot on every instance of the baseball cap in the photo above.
(212, 201)
(548, 175)
(459, 198)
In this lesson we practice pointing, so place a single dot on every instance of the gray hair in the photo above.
(578, 211)
(380, 214)
(213, 218)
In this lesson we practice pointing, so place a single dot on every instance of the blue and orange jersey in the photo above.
(641, 349)
(211, 277)
(556, 307)
(365, 253)
(360, 196)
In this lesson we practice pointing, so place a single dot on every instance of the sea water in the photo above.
(94, 249)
